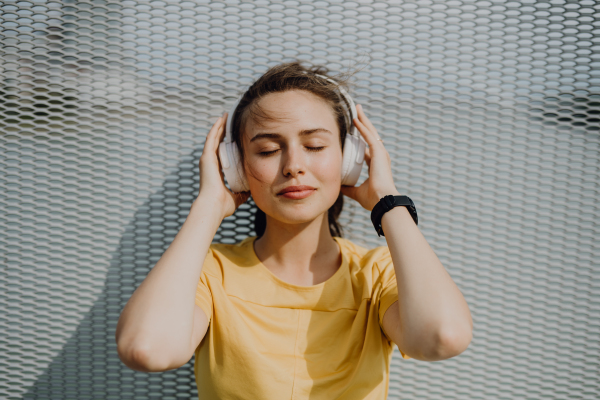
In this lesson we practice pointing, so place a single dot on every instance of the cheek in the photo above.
(265, 169)
(261, 173)
(330, 168)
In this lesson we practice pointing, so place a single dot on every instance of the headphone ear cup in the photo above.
(241, 183)
(349, 154)
(353, 159)
(232, 168)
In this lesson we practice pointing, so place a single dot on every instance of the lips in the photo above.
(300, 188)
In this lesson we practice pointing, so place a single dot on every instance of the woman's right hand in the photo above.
(212, 181)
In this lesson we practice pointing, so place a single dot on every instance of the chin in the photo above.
(298, 213)
(298, 217)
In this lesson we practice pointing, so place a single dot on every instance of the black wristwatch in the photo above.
(385, 204)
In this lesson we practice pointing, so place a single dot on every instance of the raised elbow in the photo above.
(140, 358)
(453, 343)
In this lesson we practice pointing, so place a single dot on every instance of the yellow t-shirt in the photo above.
(268, 339)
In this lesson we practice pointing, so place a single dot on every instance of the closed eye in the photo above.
(268, 153)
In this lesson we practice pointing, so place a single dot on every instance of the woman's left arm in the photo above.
(431, 320)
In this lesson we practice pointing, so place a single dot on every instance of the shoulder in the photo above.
(223, 256)
(377, 260)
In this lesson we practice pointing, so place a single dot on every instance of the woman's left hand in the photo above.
(380, 181)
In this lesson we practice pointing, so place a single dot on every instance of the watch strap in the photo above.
(385, 204)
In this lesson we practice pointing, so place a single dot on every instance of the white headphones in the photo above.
(352, 159)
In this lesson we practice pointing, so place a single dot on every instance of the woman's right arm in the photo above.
(160, 326)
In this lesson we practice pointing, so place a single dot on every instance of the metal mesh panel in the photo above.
(489, 109)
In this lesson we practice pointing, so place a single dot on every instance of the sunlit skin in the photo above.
(314, 159)
(296, 245)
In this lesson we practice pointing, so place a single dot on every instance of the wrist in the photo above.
(389, 205)
(394, 214)
(209, 207)
(398, 216)
(381, 194)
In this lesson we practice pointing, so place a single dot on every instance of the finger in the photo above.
(220, 132)
(363, 117)
(224, 126)
(369, 137)
(368, 155)
(210, 137)
(221, 170)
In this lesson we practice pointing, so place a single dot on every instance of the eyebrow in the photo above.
(264, 135)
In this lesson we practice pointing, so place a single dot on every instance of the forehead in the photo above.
(283, 99)
(293, 108)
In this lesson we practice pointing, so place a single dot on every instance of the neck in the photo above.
(303, 248)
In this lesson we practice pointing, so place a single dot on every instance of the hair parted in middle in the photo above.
(293, 76)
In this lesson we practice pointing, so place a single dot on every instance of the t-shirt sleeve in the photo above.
(389, 292)
(203, 294)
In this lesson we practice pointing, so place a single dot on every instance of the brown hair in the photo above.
(293, 76)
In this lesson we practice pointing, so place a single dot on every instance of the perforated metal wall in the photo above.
(490, 110)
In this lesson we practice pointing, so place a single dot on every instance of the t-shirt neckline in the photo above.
(339, 273)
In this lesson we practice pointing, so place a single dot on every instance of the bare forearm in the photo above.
(158, 318)
(433, 311)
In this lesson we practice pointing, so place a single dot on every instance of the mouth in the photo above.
(297, 192)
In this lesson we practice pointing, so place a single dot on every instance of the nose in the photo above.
(293, 162)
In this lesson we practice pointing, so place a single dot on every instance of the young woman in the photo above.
(296, 311)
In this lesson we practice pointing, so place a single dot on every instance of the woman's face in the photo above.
(301, 148)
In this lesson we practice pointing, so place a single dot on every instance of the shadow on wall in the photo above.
(88, 367)
(567, 111)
